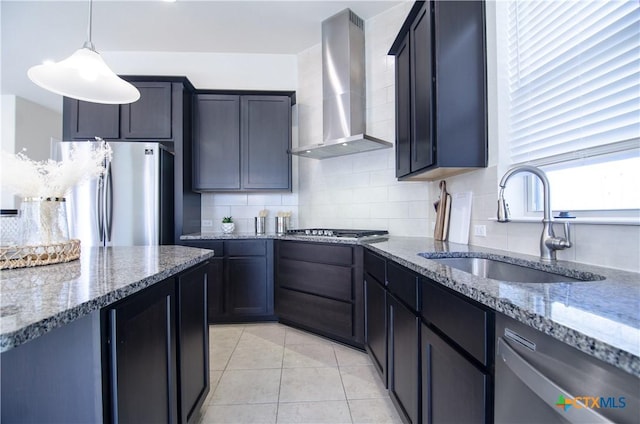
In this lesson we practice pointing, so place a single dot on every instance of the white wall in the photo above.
(30, 126)
(211, 70)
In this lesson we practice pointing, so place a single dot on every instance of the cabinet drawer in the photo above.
(462, 321)
(325, 315)
(404, 285)
(215, 245)
(325, 280)
(316, 252)
(375, 266)
(245, 248)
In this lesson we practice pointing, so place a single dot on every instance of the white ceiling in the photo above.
(33, 31)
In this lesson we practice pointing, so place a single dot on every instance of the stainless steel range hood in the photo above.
(343, 91)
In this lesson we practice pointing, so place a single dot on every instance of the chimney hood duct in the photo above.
(343, 91)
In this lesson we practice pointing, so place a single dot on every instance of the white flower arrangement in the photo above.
(28, 178)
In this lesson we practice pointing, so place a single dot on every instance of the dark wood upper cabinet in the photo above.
(441, 117)
(266, 140)
(150, 116)
(404, 140)
(216, 151)
(86, 120)
(422, 94)
(242, 142)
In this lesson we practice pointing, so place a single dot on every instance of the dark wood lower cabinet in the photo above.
(193, 340)
(143, 378)
(376, 325)
(240, 283)
(215, 288)
(156, 351)
(247, 290)
(454, 390)
(319, 287)
(404, 362)
(439, 360)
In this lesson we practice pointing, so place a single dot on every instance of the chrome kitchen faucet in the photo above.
(549, 243)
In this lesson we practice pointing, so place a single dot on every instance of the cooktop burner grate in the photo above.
(332, 232)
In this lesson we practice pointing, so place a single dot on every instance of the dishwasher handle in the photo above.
(543, 387)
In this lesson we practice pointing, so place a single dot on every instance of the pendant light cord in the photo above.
(89, 43)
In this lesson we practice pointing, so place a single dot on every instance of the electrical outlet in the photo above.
(207, 223)
(480, 230)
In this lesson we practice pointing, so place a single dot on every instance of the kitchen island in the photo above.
(67, 331)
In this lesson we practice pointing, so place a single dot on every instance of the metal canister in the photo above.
(260, 225)
(281, 225)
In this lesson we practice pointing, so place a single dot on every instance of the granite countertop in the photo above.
(600, 318)
(36, 300)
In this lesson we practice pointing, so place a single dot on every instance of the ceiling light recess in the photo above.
(84, 76)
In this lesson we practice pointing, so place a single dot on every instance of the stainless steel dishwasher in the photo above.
(539, 379)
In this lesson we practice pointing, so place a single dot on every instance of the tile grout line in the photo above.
(346, 398)
(284, 344)
(224, 370)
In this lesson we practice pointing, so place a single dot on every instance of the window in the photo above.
(574, 100)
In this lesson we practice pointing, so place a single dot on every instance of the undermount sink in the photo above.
(503, 271)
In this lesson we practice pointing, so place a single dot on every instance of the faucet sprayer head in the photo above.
(503, 208)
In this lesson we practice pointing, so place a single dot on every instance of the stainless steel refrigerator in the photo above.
(131, 205)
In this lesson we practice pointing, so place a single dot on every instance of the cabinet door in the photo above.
(422, 139)
(266, 141)
(247, 288)
(460, 78)
(193, 341)
(86, 120)
(376, 325)
(447, 378)
(403, 109)
(404, 367)
(143, 353)
(216, 148)
(150, 116)
(215, 289)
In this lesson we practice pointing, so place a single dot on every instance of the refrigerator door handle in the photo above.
(109, 202)
(99, 207)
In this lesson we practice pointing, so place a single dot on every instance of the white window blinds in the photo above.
(574, 78)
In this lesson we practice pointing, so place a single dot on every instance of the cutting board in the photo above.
(460, 219)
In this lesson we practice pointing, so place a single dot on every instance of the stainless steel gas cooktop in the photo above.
(338, 233)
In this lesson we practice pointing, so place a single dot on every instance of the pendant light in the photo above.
(84, 76)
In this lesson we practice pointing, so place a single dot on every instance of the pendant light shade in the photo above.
(84, 76)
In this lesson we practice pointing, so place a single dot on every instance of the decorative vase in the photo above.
(228, 227)
(44, 221)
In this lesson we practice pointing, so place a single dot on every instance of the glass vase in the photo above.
(44, 221)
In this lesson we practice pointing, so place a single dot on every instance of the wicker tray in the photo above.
(26, 256)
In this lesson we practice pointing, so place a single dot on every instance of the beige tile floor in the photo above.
(271, 373)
